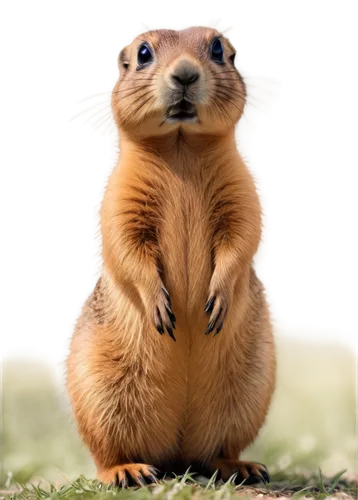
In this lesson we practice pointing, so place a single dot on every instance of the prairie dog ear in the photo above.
(123, 59)
(261, 93)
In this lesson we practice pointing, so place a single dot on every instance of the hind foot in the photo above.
(249, 472)
(128, 475)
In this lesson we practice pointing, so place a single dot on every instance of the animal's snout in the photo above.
(185, 73)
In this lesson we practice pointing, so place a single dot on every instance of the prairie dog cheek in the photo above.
(163, 91)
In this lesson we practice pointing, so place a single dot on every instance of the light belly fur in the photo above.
(181, 398)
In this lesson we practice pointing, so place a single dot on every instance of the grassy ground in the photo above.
(311, 426)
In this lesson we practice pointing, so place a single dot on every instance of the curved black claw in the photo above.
(165, 320)
(167, 296)
(152, 477)
(265, 476)
(159, 325)
(209, 305)
(258, 473)
(139, 480)
(250, 480)
(212, 323)
(171, 334)
(171, 315)
(221, 324)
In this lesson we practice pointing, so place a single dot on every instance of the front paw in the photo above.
(217, 307)
(163, 316)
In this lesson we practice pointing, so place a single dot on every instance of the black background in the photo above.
(310, 271)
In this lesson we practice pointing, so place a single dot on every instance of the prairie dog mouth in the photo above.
(181, 111)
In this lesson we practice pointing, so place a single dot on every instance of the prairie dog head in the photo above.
(171, 80)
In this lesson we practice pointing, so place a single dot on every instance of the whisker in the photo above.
(97, 104)
(143, 95)
(145, 102)
(96, 116)
(97, 95)
(214, 97)
(225, 72)
(129, 78)
(229, 97)
(219, 88)
(234, 91)
(226, 97)
(132, 71)
(222, 108)
(140, 79)
(224, 80)
(99, 122)
(89, 109)
(221, 85)
(135, 89)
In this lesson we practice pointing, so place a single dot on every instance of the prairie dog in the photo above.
(172, 362)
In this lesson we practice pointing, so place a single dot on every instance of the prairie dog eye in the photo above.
(217, 51)
(144, 55)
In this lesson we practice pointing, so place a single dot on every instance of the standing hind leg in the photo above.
(249, 401)
(124, 411)
(244, 427)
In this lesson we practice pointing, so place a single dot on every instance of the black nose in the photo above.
(185, 74)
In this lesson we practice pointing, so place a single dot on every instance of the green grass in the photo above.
(311, 426)
(185, 487)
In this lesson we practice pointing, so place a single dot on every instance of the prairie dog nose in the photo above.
(185, 73)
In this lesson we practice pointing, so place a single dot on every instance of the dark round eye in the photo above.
(144, 55)
(217, 51)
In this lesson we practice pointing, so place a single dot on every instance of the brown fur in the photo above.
(181, 212)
